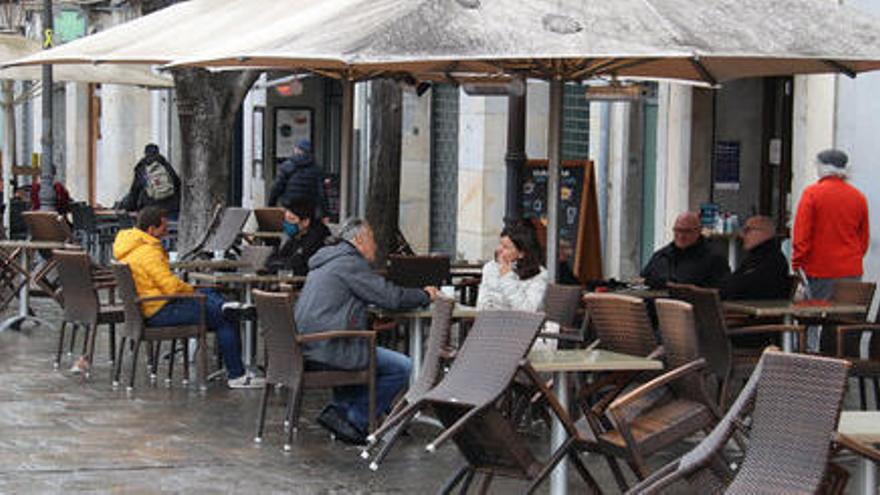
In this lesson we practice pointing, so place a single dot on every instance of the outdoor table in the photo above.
(246, 281)
(789, 310)
(863, 427)
(11, 250)
(416, 318)
(208, 265)
(563, 361)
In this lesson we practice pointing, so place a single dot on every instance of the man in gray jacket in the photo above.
(338, 288)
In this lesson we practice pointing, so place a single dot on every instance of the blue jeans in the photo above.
(822, 288)
(392, 375)
(186, 312)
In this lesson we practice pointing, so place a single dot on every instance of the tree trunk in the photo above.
(207, 104)
(383, 193)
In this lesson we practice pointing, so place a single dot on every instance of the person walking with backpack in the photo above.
(300, 179)
(155, 183)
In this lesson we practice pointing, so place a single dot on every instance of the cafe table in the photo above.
(262, 236)
(17, 256)
(209, 265)
(561, 362)
(246, 281)
(416, 318)
(863, 427)
(791, 310)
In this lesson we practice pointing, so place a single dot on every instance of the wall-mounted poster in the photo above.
(291, 125)
(727, 157)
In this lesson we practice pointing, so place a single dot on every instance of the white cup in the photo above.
(219, 254)
(448, 291)
(172, 256)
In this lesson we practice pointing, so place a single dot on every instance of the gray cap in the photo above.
(833, 157)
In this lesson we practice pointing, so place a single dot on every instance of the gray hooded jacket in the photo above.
(338, 288)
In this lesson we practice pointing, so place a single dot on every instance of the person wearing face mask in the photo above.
(515, 279)
(304, 236)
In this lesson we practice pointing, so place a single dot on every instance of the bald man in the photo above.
(687, 259)
(763, 274)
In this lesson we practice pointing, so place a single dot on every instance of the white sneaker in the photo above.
(245, 381)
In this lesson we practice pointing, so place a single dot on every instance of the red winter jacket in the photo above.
(831, 231)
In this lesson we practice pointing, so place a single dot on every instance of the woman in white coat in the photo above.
(515, 279)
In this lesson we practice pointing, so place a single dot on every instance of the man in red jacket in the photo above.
(831, 232)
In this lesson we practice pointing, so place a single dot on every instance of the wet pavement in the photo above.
(61, 433)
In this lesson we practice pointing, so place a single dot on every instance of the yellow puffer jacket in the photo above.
(148, 261)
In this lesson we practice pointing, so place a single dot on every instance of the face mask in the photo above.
(290, 229)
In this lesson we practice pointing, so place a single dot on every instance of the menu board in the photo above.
(578, 210)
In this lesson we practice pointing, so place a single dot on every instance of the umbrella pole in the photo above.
(9, 152)
(554, 148)
(516, 154)
(47, 168)
(345, 158)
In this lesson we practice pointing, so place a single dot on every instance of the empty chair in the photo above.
(47, 226)
(797, 402)
(727, 363)
(255, 257)
(137, 331)
(561, 304)
(844, 291)
(431, 372)
(222, 232)
(666, 409)
(286, 365)
(81, 304)
(418, 271)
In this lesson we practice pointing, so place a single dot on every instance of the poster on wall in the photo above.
(291, 126)
(726, 156)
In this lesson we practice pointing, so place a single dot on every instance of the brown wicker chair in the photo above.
(561, 304)
(666, 409)
(729, 364)
(863, 367)
(621, 324)
(286, 365)
(255, 256)
(797, 402)
(138, 332)
(82, 305)
(269, 219)
(436, 351)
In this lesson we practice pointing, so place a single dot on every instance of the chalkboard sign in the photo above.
(331, 195)
(578, 210)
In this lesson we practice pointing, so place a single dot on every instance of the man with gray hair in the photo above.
(339, 286)
(763, 274)
(831, 231)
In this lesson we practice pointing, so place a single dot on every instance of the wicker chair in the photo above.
(863, 367)
(797, 402)
(286, 365)
(222, 233)
(81, 304)
(465, 402)
(432, 371)
(255, 256)
(621, 324)
(561, 304)
(269, 219)
(666, 409)
(138, 332)
(729, 364)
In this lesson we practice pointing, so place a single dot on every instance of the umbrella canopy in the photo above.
(13, 47)
(708, 41)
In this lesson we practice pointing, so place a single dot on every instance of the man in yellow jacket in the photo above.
(141, 249)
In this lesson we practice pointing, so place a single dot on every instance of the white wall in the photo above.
(675, 102)
(77, 140)
(125, 130)
(253, 193)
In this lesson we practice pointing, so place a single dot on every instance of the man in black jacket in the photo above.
(305, 235)
(763, 274)
(299, 178)
(155, 183)
(687, 259)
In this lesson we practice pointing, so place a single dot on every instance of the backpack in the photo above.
(159, 184)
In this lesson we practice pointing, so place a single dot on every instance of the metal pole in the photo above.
(345, 156)
(516, 152)
(47, 168)
(554, 148)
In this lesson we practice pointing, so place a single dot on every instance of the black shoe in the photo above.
(236, 311)
(333, 420)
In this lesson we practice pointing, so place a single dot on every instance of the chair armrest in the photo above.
(856, 447)
(199, 297)
(660, 381)
(336, 334)
(860, 327)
